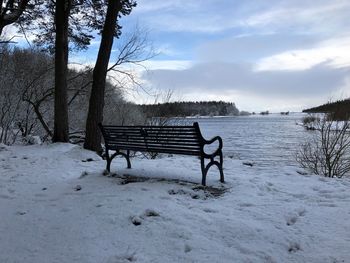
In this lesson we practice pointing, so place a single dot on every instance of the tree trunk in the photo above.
(61, 60)
(96, 104)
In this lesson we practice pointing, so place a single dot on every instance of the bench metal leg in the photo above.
(108, 167)
(128, 158)
(212, 162)
(110, 158)
(222, 179)
(204, 171)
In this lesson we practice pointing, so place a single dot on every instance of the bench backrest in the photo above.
(162, 139)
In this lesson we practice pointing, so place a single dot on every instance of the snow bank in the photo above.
(56, 206)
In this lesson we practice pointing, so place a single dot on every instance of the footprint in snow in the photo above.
(137, 220)
(21, 213)
(246, 204)
(209, 210)
(150, 212)
(78, 188)
(87, 160)
(301, 211)
(125, 258)
(294, 247)
(291, 220)
(187, 248)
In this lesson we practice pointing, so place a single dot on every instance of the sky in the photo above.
(276, 55)
(262, 55)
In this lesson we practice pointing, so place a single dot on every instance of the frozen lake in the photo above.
(267, 141)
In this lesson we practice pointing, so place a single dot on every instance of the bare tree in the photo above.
(328, 151)
(133, 49)
(9, 107)
(39, 94)
(12, 73)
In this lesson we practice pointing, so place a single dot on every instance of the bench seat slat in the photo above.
(151, 133)
(153, 139)
(151, 130)
(160, 137)
(159, 150)
(148, 134)
(149, 146)
(149, 142)
(111, 127)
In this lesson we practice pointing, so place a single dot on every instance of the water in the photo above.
(267, 141)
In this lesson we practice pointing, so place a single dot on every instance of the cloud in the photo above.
(252, 47)
(274, 16)
(188, 16)
(322, 17)
(167, 64)
(150, 6)
(334, 53)
(229, 80)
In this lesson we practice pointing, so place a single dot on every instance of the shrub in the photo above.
(328, 151)
(310, 119)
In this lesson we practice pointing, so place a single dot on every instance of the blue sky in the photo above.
(261, 54)
(273, 55)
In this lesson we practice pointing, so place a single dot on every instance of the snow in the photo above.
(56, 206)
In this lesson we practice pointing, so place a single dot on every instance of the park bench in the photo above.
(184, 140)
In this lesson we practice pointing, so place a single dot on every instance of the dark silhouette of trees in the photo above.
(62, 25)
(84, 18)
(69, 21)
(10, 11)
(188, 108)
(338, 110)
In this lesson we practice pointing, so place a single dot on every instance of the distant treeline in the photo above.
(179, 109)
(339, 109)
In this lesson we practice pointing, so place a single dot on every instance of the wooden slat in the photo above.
(151, 144)
(152, 132)
(141, 145)
(175, 143)
(158, 150)
(154, 138)
(147, 127)
(149, 133)
(163, 142)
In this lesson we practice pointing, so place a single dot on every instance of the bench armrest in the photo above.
(217, 151)
(218, 138)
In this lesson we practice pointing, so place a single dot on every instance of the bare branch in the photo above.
(11, 13)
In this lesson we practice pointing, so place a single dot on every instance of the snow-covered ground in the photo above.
(56, 206)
